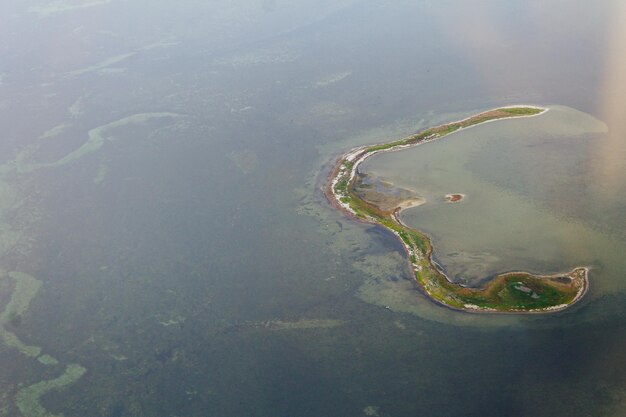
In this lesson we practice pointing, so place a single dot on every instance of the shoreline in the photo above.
(418, 247)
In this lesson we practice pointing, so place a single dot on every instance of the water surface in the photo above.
(189, 263)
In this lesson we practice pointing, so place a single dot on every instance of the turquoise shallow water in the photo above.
(160, 201)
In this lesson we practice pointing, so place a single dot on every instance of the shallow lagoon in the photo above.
(527, 206)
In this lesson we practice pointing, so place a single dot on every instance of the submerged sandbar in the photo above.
(511, 292)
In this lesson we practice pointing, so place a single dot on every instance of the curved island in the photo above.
(511, 292)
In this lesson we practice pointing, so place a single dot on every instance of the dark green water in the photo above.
(160, 196)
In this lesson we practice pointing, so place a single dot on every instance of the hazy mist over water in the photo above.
(165, 249)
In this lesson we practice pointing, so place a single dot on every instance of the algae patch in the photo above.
(278, 325)
(26, 287)
(103, 64)
(15, 240)
(77, 108)
(371, 411)
(48, 360)
(96, 138)
(333, 78)
(20, 288)
(246, 160)
(61, 6)
(101, 173)
(303, 324)
(55, 131)
(27, 399)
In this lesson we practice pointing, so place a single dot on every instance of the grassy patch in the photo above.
(521, 111)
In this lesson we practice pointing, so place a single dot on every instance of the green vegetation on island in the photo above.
(513, 292)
